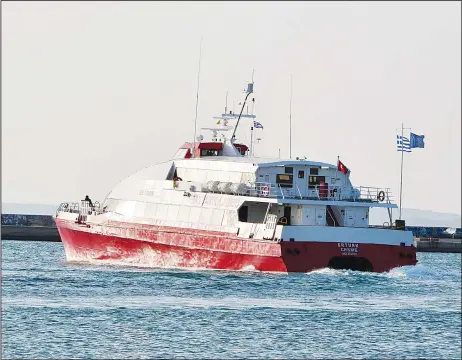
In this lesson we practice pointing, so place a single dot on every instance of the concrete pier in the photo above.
(29, 227)
(31, 233)
(438, 245)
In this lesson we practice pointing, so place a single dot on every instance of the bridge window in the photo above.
(289, 170)
(205, 152)
(314, 181)
(284, 180)
(301, 174)
(314, 171)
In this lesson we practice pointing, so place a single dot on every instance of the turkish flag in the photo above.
(342, 168)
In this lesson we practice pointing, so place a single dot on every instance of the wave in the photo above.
(416, 272)
(355, 304)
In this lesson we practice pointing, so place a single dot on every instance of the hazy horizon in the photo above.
(95, 91)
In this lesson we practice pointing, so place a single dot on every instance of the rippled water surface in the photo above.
(54, 309)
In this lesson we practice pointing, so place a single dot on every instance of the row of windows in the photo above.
(301, 173)
(285, 180)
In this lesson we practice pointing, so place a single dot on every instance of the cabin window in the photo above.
(241, 150)
(314, 181)
(289, 170)
(301, 174)
(314, 171)
(205, 152)
(284, 180)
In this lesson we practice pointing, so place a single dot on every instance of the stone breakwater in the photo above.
(29, 227)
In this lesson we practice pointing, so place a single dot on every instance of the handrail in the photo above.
(316, 192)
(83, 209)
(280, 189)
(336, 192)
(328, 211)
(299, 193)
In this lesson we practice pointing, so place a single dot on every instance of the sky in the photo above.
(94, 91)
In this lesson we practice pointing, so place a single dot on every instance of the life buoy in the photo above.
(265, 190)
(381, 196)
(282, 221)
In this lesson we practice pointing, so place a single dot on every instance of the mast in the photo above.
(290, 119)
(402, 158)
(248, 91)
(197, 99)
(252, 126)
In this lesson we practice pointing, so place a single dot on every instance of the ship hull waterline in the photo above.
(164, 247)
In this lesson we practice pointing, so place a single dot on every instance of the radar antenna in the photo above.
(248, 91)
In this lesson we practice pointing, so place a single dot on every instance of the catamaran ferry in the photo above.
(215, 206)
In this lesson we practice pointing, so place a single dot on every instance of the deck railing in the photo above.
(319, 192)
(83, 208)
(315, 192)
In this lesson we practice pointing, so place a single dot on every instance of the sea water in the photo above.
(54, 309)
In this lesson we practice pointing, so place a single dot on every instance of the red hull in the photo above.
(153, 246)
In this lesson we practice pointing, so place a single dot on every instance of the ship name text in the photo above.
(348, 248)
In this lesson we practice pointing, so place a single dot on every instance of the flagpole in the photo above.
(336, 173)
(402, 158)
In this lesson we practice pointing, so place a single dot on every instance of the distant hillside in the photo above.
(416, 217)
(413, 217)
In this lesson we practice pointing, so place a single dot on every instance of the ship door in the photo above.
(320, 216)
(301, 181)
(243, 213)
(287, 213)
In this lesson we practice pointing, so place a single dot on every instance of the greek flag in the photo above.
(257, 125)
(417, 141)
(403, 143)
